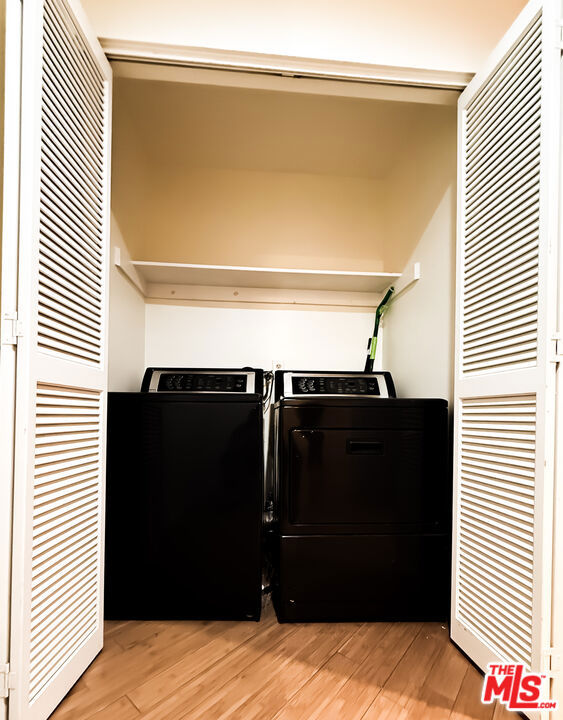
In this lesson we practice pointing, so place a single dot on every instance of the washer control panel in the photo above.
(201, 381)
(333, 384)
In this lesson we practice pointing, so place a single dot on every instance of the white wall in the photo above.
(126, 325)
(233, 337)
(128, 190)
(419, 326)
(265, 219)
(442, 34)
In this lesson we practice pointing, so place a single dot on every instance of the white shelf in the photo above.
(257, 277)
(226, 284)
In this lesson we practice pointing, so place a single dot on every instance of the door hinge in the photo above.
(553, 662)
(557, 348)
(7, 680)
(12, 328)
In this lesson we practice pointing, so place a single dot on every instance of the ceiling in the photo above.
(184, 126)
(440, 34)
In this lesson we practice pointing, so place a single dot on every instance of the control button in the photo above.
(201, 382)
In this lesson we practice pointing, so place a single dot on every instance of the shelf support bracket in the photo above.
(122, 260)
(406, 281)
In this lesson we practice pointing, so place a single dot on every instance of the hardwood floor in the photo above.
(267, 671)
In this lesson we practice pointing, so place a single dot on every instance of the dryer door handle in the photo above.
(365, 447)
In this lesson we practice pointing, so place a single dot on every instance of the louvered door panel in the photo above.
(507, 284)
(72, 193)
(496, 522)
(66, 528)
(57, 621)
(501, 233)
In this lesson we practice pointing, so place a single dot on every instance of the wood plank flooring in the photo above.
(267, 671)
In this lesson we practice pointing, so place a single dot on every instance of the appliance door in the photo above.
(362, 577)
(383, 471)
(184, 528)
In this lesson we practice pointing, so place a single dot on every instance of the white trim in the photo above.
(282, 83)
(27, 300)
(8, 303)
(215, 59)
(557, 587)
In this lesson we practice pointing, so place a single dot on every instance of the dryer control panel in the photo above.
(196, 380)
(297, 384)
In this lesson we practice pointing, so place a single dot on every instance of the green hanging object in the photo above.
(372, 342)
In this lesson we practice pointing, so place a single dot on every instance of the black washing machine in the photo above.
(185, 496)
(361, 497)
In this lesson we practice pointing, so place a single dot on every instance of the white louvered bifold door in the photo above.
(508, 252)
(57, 619)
